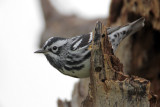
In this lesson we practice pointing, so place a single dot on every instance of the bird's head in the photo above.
(53, 49)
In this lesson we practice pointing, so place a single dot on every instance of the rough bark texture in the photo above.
(109, 87)
(142, 50)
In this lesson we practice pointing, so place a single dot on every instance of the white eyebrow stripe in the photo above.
(59, 43)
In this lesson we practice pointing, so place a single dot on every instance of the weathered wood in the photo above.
(109, 87)
(139, 53)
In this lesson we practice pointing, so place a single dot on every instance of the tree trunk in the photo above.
(139, 53)
(109, 87)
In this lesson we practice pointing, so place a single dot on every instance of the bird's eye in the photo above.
(54, 47)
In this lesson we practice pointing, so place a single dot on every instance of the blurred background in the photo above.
(27, 79)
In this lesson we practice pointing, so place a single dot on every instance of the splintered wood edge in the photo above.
(114, 71)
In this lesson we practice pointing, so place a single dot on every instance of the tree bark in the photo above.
(139, 53)
(109, 87)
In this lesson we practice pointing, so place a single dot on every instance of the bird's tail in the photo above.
(117, 34)
(135, 26)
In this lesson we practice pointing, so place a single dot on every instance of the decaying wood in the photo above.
(139, 53)
(109, 87)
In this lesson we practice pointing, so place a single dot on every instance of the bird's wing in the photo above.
(112, 29)
(81, 41)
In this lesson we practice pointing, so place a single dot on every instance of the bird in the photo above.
(71, 56)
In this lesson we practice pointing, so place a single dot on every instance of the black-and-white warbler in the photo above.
(71, 56)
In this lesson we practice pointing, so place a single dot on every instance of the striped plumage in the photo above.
(71, 56)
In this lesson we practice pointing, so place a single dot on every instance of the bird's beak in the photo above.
(41, 51)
